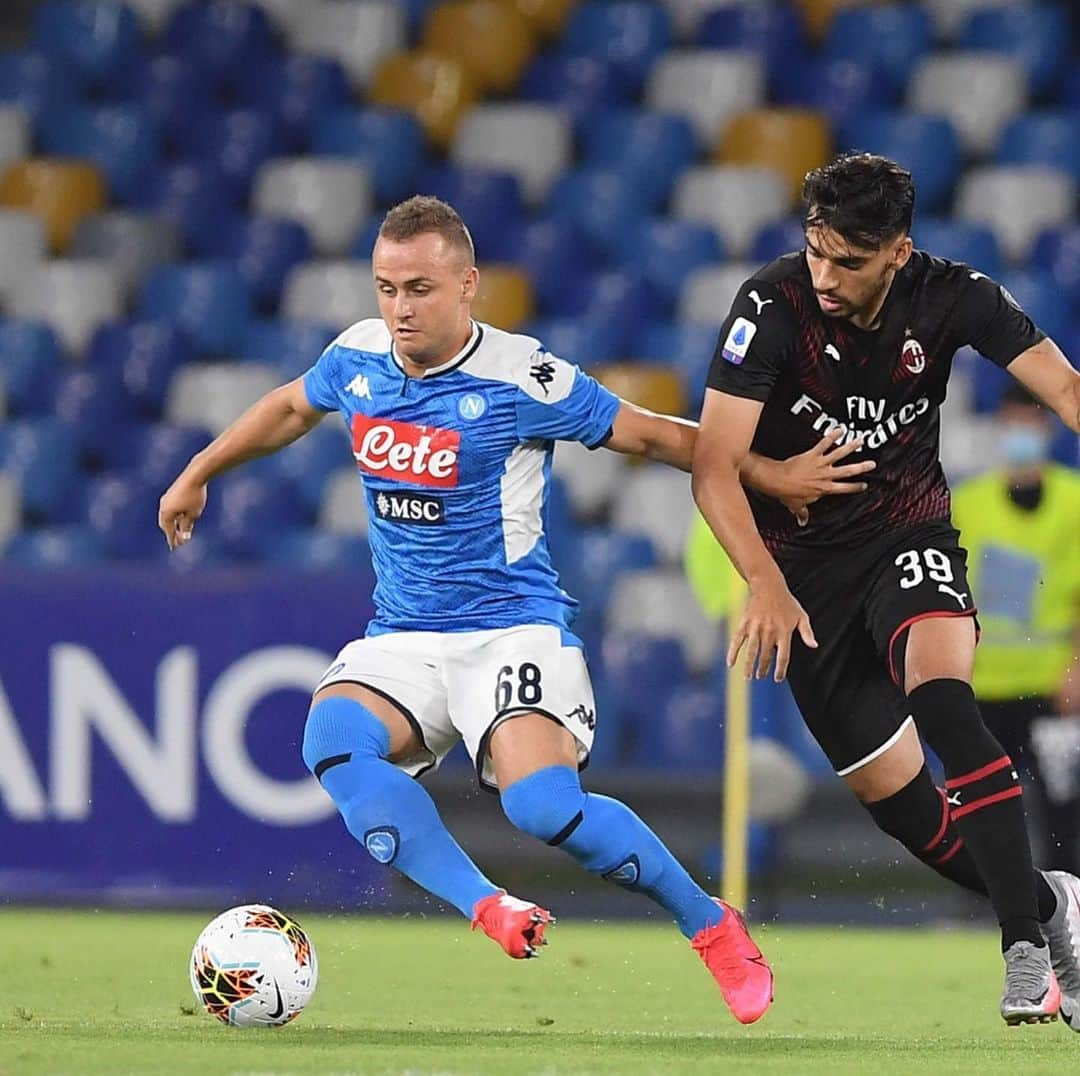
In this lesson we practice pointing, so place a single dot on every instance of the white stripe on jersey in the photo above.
(521, 491)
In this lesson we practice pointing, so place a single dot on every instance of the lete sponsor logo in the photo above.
(421, 455)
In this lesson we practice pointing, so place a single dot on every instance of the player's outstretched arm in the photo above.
(1045, 372)
(273, 422)
(772, 614)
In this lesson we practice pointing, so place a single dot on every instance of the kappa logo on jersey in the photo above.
(738, 340)
(471, 407)
(583, 714)
(542, 372)
(419, 508)
(359, 387)
(832, 352)
(913, 356)
(759, 302)
(421, 455)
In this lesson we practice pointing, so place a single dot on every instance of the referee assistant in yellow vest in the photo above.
(1021, 526)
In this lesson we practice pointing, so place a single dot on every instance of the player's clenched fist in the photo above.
(181, 505)
(771, 616)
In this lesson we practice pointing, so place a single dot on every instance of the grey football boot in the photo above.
(1062, 932)
(1031, 994)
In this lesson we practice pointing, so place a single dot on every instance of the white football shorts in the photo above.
(463, 685)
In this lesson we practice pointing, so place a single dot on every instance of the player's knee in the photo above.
(339, 729)
(949, 720)
(546, 804)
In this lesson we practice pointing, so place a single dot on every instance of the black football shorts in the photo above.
(861, 603)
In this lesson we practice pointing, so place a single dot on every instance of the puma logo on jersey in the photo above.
(832, 352)
(359, 387)
(946, 589)
(759, 302)
(954, 799)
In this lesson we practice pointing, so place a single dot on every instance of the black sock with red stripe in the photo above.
(984, 799)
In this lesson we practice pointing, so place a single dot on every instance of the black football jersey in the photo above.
(815, 372)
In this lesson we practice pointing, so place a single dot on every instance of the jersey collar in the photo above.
(451, 364)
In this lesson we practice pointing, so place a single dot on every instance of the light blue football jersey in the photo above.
(456, 467)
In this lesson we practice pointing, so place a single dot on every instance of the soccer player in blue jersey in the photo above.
(453, 425)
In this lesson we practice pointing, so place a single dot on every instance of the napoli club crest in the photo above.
(913, 357)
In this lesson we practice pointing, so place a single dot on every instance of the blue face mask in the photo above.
(1022, 446)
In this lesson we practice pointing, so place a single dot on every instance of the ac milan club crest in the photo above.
(913, 357)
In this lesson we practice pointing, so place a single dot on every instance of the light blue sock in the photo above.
(389, 813)
(608, 839)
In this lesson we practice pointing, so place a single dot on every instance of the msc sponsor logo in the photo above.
(418, 508)
(420, 455)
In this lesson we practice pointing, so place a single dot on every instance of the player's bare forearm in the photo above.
(1045, 372)
(664, 438)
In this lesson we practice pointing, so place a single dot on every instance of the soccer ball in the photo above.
(253, 966)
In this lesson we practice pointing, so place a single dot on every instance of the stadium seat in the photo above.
(652, 147)
(959, 241)
(687, 348)
(238, 142)
(335, 293)
(158, 453)
(1017, 203)
(390, 144)
(328, 196)
(602, 555)
(493, 41)
(623, 301)
(665, 251)
(213, 395)
(30, 359)
(708, 86)
(603, 203)
(344, 507)
(688, 733)
(780, 237)
(655, 501)
(838, 89)
(292, 346)
(629, 34)
(132, 242)
(120, 512)
(250, 508)
(14, 134)
(893, 37)
(1057, 250)
(92, 36)
(1035, 291)
(22, 247)
(284, 15)
(41, 455)
(209, 300)
(54, 547)
(649, 385)
(737, 201)
(1035, 35)
(144, 355)
(435, 89)
(357, 35)
(640, 672)
(927, 146)
(488, 201)
(949, 16)
(582, 342)
(10, 509)
(581, 86)
(310, 550)
(547, 17)
(590, 479)
(309, 462)
(74, 296)
(60, 192)
(789, 141)
(363, 247)
(708, 293)
(504, 298)
(1047, 138)
(976, 91)
(774, 31)
(93, 404)
(531, 141)
(190, 195)
(221, 37)
(154, 15)
(819, 14)
(35, 82)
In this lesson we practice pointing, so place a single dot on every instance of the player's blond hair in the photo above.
(422, 214)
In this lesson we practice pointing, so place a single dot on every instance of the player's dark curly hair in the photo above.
(864, 198)
(421, 214)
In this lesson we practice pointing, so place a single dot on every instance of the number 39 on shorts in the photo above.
(918, 564)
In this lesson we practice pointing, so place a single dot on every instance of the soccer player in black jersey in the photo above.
(866, 607)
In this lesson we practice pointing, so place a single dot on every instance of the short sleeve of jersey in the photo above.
(989, 319)
(559, 402)
(321, 379)
(754, 341)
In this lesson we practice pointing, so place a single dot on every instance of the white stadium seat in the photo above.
(130, 241)
(359, 35)
(532, 141)
(979, 92)
(949, 16)
(332, 292)
(660, 602)
(212, 395)
(74, 296)
(707, 86)
(707, 294)
(22, 247)
(687, 15)
(286, 15)
(655, 501)
(1017, 202)
(344, 507)
(154, 15)
(330, 197)
(738, 201)
(10, 508)
(14, 134)
(591, 478)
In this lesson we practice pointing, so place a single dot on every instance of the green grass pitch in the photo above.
(108, 993)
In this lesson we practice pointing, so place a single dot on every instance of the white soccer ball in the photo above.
(254, 966)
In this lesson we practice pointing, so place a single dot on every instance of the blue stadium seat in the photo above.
(629, 34)
(37, 82)
(841, 89)
(780, 237)
(251, 508)
(599, 556)
(389, 142)
(488, 200)
(225, 38)
(42, 455)
(960, 241)
(578, 340)
(145, 355)
(264, 249)
(666, 251)
(93, 37)
(297, 90)
(602, 202)
(92, 404)
(894, 37)
(989, 380)
(640, 673)
(293, 346)
(191, 195)
(773, 30)
(1056, 250)
(364, 245)
(582, 85)
(158, 453)
(1036, 35)
(1070, 95)
(30, 359)
(687, 734)
(122, 140)
(316, 551)
(122, 511)
(208, 300)
(54, 547)
(687, 347)
(309, 462)
(205, 551)
(1041, 299)
(1050, 138)
(622, 301)
(927, 145)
